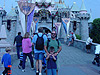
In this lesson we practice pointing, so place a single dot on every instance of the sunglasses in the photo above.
(53, 33)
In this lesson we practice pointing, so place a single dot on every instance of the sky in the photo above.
(94, 5)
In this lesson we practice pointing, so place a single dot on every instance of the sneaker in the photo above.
(33, 68)
(37, 72)
(19, 66)
(40, 73)
(23, 70)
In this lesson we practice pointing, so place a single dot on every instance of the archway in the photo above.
(45, 30)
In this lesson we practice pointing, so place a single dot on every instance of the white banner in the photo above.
(58, 27)
(22, 19)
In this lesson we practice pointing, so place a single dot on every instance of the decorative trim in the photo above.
(43, 5)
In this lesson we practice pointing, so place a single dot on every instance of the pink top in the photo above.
(26, 45)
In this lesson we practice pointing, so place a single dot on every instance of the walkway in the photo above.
(72, 61)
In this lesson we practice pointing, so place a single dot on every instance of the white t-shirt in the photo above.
(89, 40)
(97, 51)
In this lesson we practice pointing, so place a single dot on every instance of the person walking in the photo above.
(51, 62)
(18, 40)
(54, 43)
(27, 49)
(6, 60)
(38, 42)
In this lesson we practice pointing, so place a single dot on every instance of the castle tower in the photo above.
(60, 1)
(2, 13)
(84, 17)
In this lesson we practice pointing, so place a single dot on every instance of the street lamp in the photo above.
(52, 20)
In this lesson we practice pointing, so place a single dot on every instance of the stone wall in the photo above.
(80, 45)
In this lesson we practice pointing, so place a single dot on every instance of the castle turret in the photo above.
(60, 1)
(84, 17)
(83, 9)
(75, 8)
(2, 13)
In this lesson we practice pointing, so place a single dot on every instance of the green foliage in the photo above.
(95, 31)
(78, 36)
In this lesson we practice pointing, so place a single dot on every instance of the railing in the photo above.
(81, 45)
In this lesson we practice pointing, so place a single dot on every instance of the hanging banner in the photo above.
(26, 7)
(22, 19)
(58, 26)
(29, 20)
(66, 22)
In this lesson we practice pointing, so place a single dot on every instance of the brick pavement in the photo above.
(72, 61)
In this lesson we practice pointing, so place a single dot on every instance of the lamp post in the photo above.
(52, 21)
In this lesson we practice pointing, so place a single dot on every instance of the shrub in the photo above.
(78, 36)
(95, 31)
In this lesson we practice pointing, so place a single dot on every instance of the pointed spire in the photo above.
(75, 7)
(83, 9)
(60, 1)
(52, 2)
(3, 34)
(12, 6)
(4, 4)
(1, 7)
(91, 19)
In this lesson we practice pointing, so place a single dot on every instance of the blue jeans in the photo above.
(24, 59)
(18, 51)
(51, 71)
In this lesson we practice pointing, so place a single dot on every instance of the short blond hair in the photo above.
(8, 49)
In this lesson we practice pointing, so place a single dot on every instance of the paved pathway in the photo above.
(72, 61)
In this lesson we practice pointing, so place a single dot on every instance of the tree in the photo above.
(95, 31)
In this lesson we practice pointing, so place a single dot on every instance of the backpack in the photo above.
(49, 41)
(39, 43)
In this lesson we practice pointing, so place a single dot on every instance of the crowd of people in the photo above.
(40, 47)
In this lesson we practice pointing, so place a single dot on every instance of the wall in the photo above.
(80, 45)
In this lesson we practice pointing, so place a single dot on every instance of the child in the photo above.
(6, 60)
(21, 60)
(51, 62)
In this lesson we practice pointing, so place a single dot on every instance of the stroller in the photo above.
(96, 60)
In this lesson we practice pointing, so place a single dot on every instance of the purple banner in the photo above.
(29, 20)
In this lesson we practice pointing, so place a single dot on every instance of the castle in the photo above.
(49, 12)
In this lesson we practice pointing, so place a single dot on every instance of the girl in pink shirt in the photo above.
(27, 49)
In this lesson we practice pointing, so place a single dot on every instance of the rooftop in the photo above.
(75, 7)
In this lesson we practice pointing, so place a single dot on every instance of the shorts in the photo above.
(39, 56)
(88, 47)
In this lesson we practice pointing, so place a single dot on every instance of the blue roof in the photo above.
(12, 12)
(91, 19)
(1, 7)
(60, 5)
(74, 7)
(83, 6)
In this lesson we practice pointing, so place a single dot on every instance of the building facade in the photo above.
(49, 12)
